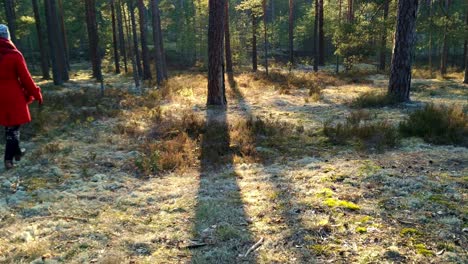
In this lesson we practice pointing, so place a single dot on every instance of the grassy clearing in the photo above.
(159, 178)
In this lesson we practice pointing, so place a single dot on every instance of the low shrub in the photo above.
(359, 127)
(373, 100)
(437, 124)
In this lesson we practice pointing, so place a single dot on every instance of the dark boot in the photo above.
(9, 165)
(20, 154)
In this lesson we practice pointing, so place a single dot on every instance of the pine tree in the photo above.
(216, 84)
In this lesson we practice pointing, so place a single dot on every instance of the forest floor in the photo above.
(161, 178)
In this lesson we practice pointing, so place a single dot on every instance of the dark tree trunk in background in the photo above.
(444, 55)
(431, 24)
(160, 57)
(161, 46)
(350, 13)
(383, 40)
(136, 78)
(144, 42)
(59, 65)
(131, 8)
(227, 45)
(93, 38)
(63, 33)
(123, 50)
(254, 43)
(216, 85)
(114, 39)
(265, 34)
(42, 49)
(11, 18)
(321, 35)
(291, 34)
(316, 29)
(340, 6)
(400, 75)
(465, 80)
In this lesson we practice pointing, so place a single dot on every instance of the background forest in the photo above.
(316, 149)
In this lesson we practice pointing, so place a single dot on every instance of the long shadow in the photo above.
(290, 210)
(221, 227)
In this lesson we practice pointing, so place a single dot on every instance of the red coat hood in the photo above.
(6, 47)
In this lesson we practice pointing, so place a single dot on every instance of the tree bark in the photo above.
(321, 35)
(444, 55)
(144, 42)
(136, 51)
(216, 84)
(93, 38)
(400, 76)
(227, 45)
(350, 15)
(265, 34)
(465, 80)
(114, 38)
(291, 33)
(11, 19)
(42, 49)
(254, 43)
(161, 46)
(123, 50)
(59, 66)
(383, 40)
(316, 29)
(431, 24)
(159, 52)
(63, 34)
(136, 78)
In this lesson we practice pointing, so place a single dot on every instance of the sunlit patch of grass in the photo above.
(332, 202)
(422, 249)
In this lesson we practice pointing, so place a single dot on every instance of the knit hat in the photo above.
(4, 33)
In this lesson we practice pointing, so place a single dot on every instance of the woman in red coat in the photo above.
(17, 90)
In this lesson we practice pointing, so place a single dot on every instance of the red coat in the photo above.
(17, 88)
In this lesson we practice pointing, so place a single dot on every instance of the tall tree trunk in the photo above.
(444, 55)
(383, 40)
(227, 45)
(93, 38)
(350, 15)
(161, 46)
(340, 5)
(114, 38)
(42, 49)
(63, 33)
(131, 10)
(265, 34)
(131, 54)
(465, 80)
(59, 66)
(321, 35)
(216, 85)
(144, 42)
(400, 75)
(254, 43)
(11, 18)
(159, 53)
(123, 50)
(291, 34)
(431, 25)
(316, 29)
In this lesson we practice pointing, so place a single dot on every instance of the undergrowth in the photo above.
(373, 100)
(437, 124)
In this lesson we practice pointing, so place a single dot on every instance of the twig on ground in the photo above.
(254, 247)
(63, 217)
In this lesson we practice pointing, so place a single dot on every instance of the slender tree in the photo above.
(265, 34)
(350, 13)
(93, 38)
(123, 50)
(465, 80)
(444, 55)
(57, 55)
(63, 33)
(144, 42)
(227, 45)
(136, 78)
(42, 48)
(340, 6)
(159, 49)
(136, 52)
(11, 18)
(114, 38)
(291, 33)
(431, 25)
(321, 35)
(383, 39)
(216, 84)
(161, 46)
(254, 42)
(316, 41)
(400, 75)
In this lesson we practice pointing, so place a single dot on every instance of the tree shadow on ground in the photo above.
(221, 225)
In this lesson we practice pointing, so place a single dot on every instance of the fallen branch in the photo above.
(254, 247)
